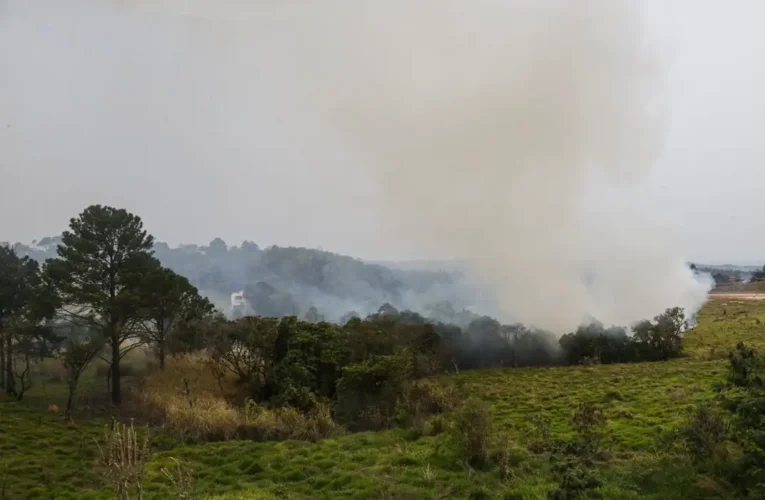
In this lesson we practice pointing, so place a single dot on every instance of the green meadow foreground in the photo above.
(42, 456)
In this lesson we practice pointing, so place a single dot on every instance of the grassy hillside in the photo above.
(42, 457)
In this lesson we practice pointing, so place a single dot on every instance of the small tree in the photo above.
(244, 347)
(19, 283)
(76, 355)
(473, 425)
(662, 339)
(668, 332)
(705, 433)
(31, 343)
(169, 302)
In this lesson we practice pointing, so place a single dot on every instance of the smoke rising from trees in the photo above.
(510, 134)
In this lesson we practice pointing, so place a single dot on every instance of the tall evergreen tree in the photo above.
(97, 275)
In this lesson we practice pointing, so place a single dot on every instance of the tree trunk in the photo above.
(2, 356)
(116, 386)
(70, 398)
(68, 412)
(9, 381)
(162, 356)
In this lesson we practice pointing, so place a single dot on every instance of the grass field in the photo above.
(41, 457)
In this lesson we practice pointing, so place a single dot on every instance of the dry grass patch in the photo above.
(197, 406)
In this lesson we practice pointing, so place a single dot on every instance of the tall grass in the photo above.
(124, 455)
(189, 400)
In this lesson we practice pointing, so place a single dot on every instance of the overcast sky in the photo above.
(181, 112)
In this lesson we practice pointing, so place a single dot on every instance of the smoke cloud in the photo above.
(510, 135)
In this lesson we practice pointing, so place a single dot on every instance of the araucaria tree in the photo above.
(98, 274)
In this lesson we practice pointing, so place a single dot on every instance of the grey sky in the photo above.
(181, 111)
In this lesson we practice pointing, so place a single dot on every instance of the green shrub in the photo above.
(588, 422)
(572, 462)
(574, 479)
(421, 399)
(435, 425)
(473, 424)
(745, 398)
(368, 391)
(542, 438)
(705, 433)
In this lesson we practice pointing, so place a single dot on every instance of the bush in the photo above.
(422, 399)
(435, 425)
(507, 456)
(473, 426)
(574, 480)
(286, 423)
(543, 437)
(588, 422)
(572, 462)
(705, 434)
(367, 392)
(195, 405)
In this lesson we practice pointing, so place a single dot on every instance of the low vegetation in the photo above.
(664, 433)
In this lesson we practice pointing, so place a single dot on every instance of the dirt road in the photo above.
(737, 296)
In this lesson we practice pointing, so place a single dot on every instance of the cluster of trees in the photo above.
(659, 340)
(25, 304)
(759, 275)
(730, 275)
(104, 295)
(363, 367)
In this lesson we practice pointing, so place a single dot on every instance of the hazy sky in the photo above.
(183, 112)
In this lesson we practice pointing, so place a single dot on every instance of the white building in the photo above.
(237, 302)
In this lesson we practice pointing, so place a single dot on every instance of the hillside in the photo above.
(644, 404)
(280, 281)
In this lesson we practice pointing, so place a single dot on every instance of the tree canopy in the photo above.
(108, 282)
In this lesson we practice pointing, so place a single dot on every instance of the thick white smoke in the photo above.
(509, 134)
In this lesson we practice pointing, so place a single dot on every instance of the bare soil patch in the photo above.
(737, 296)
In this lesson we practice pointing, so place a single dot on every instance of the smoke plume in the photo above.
(512, 135)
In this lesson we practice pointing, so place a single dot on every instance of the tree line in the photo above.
(106, 294)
